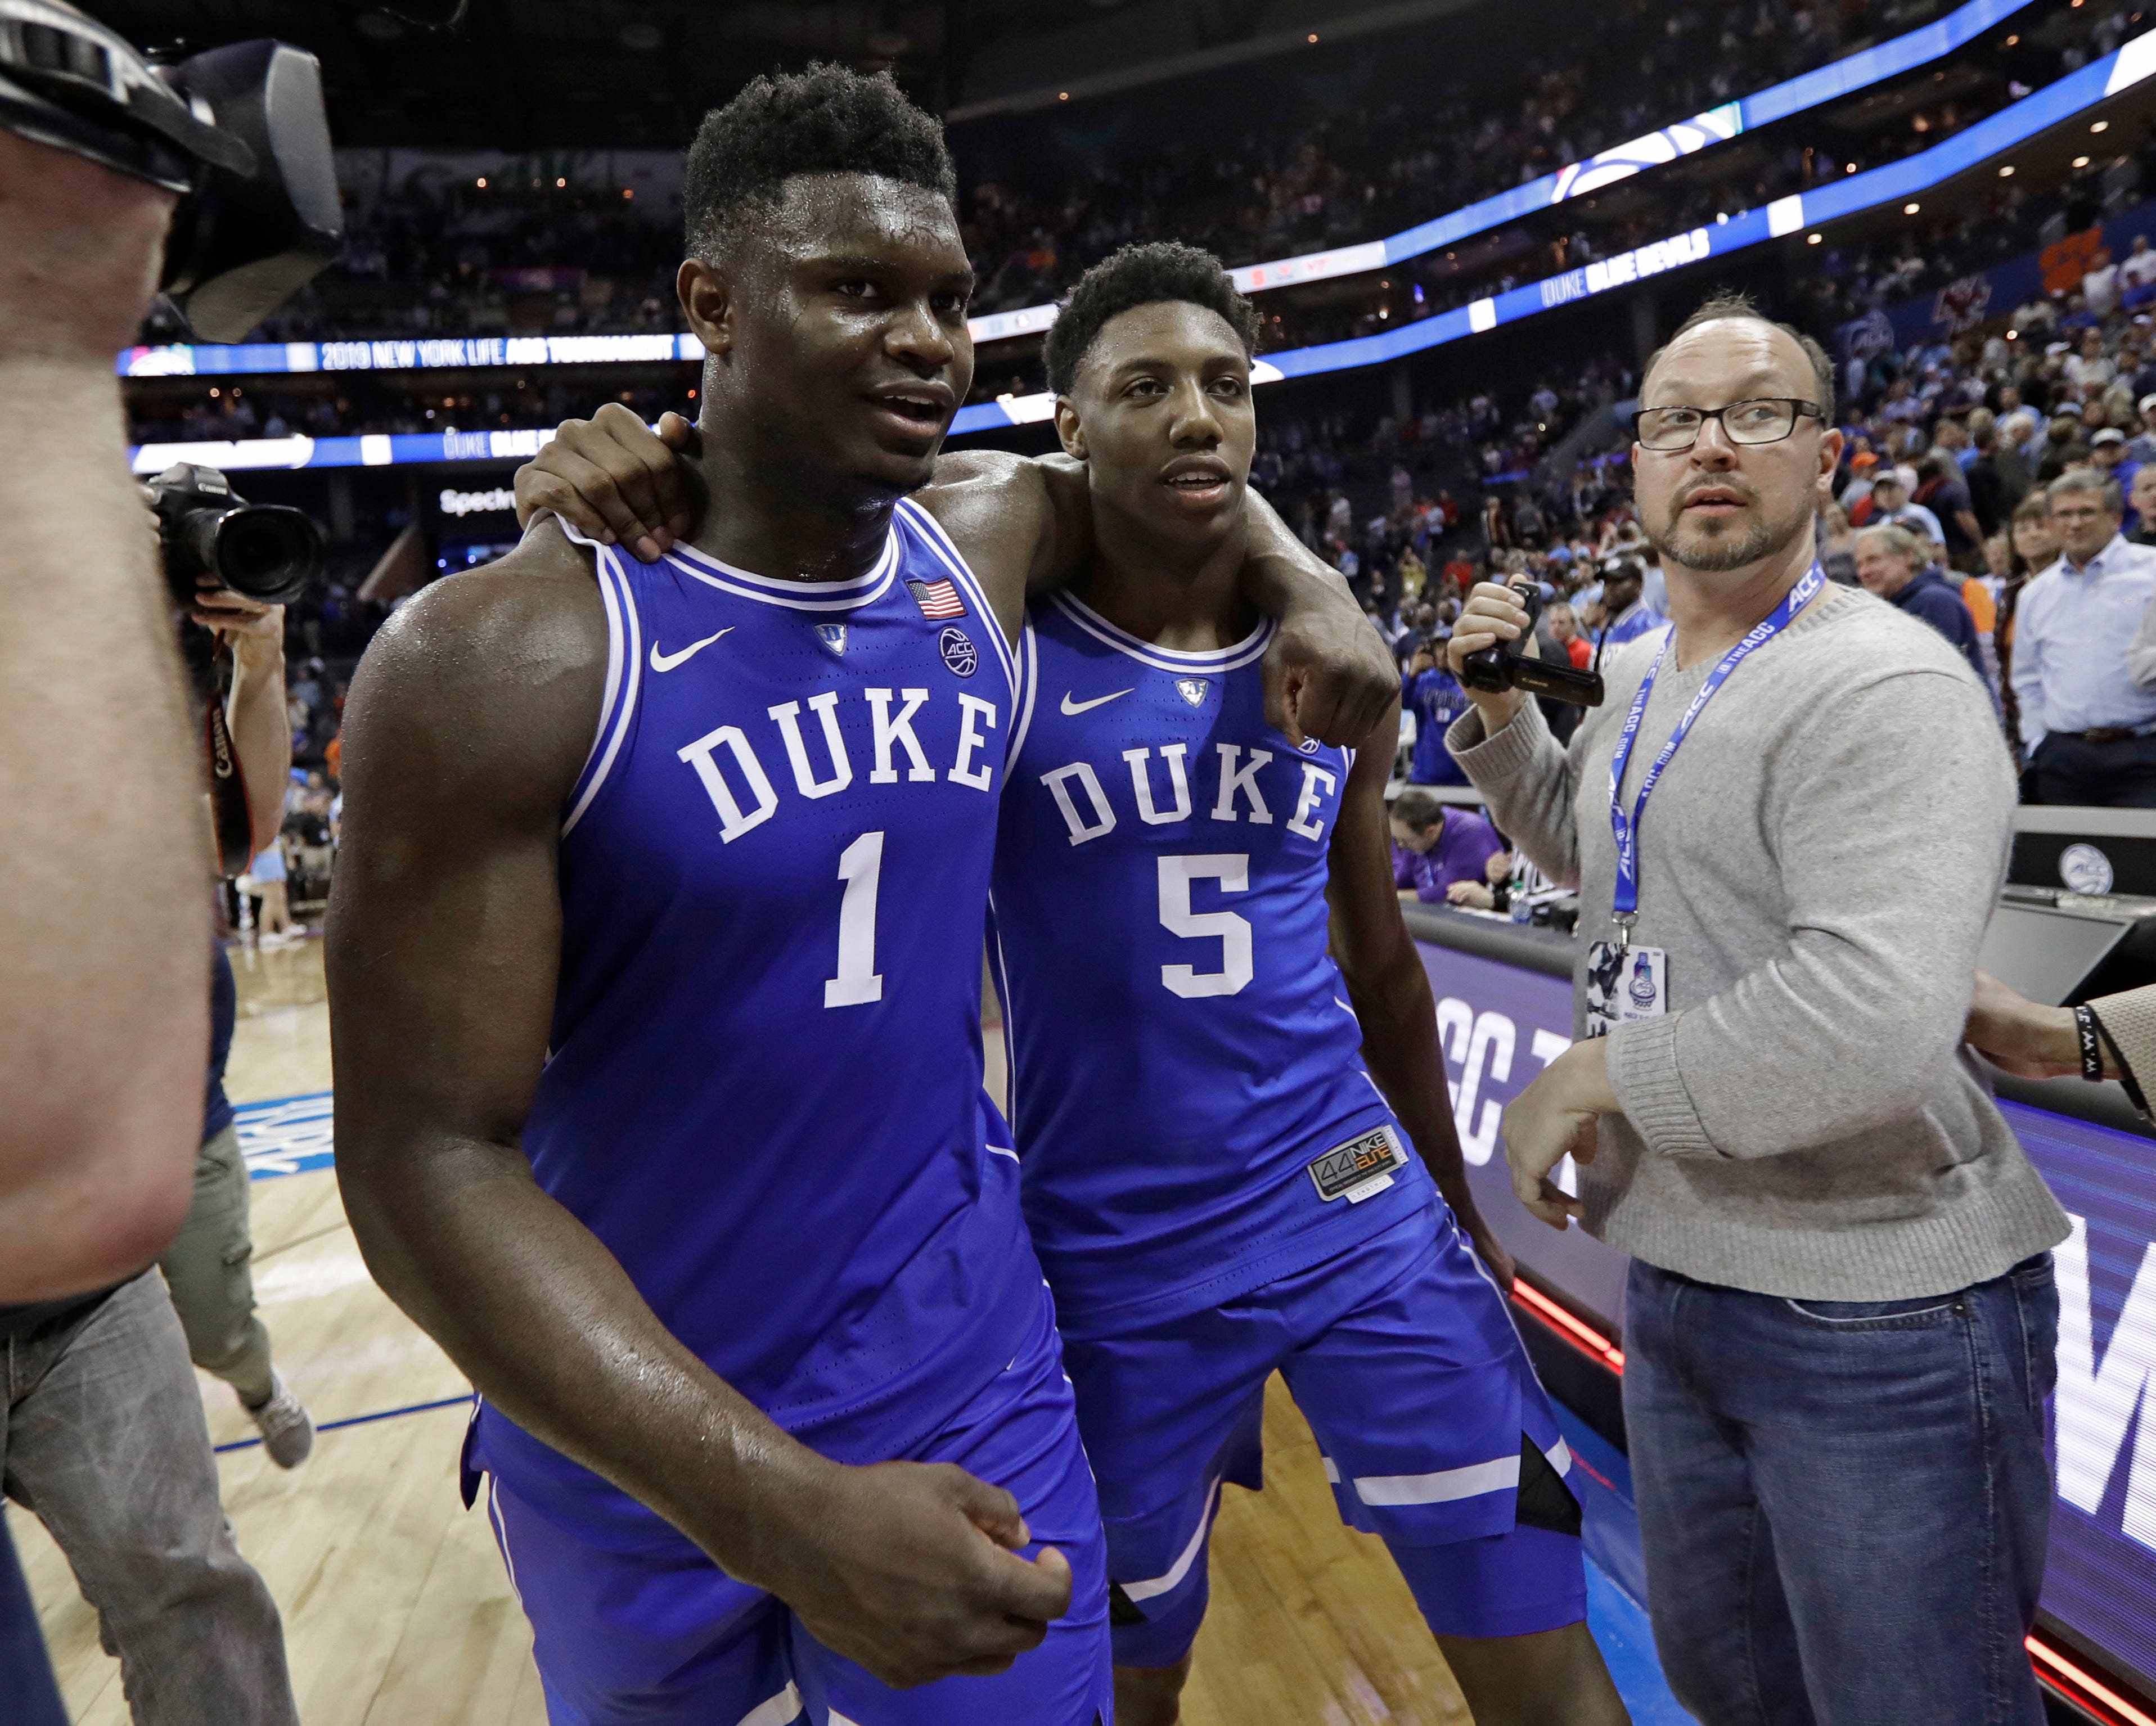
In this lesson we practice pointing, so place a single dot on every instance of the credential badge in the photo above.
(1191, 689)
(832, 636)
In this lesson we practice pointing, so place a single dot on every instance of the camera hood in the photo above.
(67, 81)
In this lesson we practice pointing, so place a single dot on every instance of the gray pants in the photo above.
(102, 1439)
(208, 1269)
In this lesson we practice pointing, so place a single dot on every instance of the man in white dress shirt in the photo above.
(2085, 657)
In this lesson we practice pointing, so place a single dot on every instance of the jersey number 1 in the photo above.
(1233, 873)
(861, 867)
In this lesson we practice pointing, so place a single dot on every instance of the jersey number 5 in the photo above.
(861, 867)
(1233, 873)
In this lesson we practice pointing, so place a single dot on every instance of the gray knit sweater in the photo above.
(1819, 861)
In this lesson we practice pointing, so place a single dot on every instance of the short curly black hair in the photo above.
(1136, 276)
(825, 120)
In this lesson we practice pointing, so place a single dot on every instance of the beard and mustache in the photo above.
(1718, 543)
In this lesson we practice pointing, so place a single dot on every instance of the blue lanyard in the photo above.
(1626, 829)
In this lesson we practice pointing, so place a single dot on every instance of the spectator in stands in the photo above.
(1437, 847)
(2032, 547)
(1564, 631)
(1837, 545)
(2063, 448)
(1624, 603)
(1890, 506)
(2088, 723)
(2142, 501)
(1946, 497)
(1892, 564)
(2141, 447)
(2137, 276)
(1434, 696)
(1991, 498)
(2090, 367)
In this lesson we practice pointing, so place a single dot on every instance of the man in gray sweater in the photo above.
(1840, 1323)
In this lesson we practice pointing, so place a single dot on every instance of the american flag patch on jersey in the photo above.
(937, 599)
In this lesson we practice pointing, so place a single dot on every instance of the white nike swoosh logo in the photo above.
(667, 662)
(1072, 708)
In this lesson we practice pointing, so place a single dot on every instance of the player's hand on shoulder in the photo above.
(615, 480)
(1328, 674)
(911, 1570)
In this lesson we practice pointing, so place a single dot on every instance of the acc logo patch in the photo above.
(832, 636)
(2084, 869)
(1191, 689)
(1309, 745)
(958, 652)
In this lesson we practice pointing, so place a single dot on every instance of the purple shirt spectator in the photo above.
(1436, 846)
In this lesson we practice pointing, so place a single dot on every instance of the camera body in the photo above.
(1496, 669)
(239, 132)
(270, 552)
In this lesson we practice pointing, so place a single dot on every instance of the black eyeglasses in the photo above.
(1768, 419)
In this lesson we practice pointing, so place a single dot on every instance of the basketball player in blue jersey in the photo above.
(656, 999)
(1214, 1143)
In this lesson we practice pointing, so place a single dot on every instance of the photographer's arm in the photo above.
(104, 904)
(254, 710)
(466, 728)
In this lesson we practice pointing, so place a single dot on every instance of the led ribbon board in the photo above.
(1621, 162)
(1892, 183)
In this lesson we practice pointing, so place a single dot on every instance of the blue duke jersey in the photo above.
(763, 1093)
(1182, 1048)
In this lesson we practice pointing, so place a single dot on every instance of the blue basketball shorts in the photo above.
(666, 1636)
(1401, 1354)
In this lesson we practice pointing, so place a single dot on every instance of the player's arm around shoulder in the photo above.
(1024, 524)
(1390, 990)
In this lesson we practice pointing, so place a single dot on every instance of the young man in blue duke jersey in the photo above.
(1215, 1182)
(655, 1002)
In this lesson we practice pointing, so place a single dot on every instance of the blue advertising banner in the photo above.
(1499, 1026)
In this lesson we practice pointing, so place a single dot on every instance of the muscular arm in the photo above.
(1390, 992)
(104, 1021)
(466, 727)
(464, 730)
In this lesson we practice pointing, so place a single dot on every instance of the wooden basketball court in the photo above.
(397, 1610)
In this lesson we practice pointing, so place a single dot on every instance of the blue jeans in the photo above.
(1844, 1504)
(27, 1694)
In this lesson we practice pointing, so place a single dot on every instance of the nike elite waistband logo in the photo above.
(667, 662)
(1071, 709)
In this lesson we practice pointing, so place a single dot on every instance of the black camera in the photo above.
(267, 552)
(1496, 669)
(239, 132)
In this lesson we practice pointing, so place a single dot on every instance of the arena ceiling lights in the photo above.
(1682, 138)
